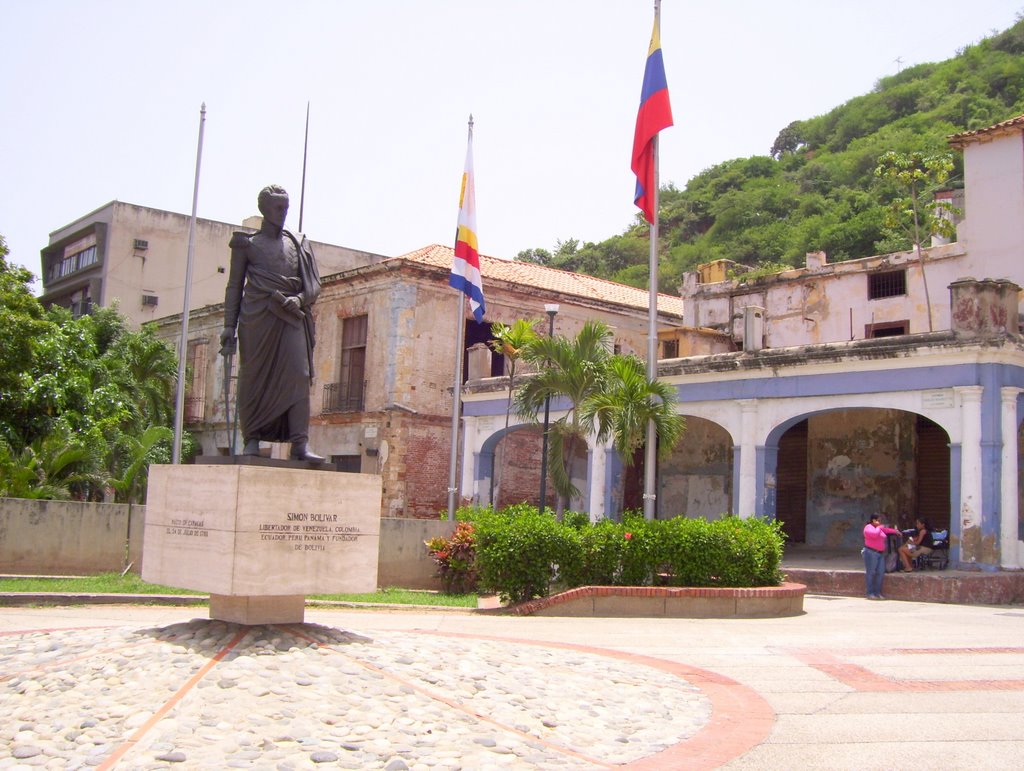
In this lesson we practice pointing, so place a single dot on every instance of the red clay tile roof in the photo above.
(550, 279)
(978, 135)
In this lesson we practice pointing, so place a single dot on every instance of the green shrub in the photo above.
(522, 554)
(726, 552)
(519, 553)
(577, 520)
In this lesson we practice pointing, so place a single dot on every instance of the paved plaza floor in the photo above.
(850, 684)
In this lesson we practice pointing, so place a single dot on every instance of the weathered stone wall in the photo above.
(404, 561)
(418, 469)
(72, 538)
(696, 481)
(860, 462)
(63, 537)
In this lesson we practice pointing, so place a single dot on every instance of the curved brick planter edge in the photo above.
(787, 599)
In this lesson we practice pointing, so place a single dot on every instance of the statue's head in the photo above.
(273, 204)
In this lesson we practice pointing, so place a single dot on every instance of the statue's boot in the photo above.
(252, 447)
(300, 451)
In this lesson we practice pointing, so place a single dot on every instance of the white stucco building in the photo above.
(879, 384)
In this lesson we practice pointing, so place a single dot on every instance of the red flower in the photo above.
(628, 536)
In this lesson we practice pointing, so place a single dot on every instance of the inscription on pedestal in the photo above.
(246, 531)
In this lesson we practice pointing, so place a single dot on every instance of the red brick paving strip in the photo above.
(863, 679)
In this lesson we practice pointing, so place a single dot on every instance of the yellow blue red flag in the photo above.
(655, 114)
(465, 275)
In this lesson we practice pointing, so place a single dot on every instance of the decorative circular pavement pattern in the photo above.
(208, 694)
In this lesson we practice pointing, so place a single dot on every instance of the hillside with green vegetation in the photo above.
(816, 189)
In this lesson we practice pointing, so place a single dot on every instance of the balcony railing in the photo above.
(343, 397)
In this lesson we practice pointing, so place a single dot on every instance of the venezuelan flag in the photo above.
(465, 275)
(655, 114)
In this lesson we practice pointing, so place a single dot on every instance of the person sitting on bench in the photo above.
(917, 545)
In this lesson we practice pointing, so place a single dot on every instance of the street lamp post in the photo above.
(551, 309)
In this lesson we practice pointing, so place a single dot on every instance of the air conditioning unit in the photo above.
(150, 300)
(141, 245)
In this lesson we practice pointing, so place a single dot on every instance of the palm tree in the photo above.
(573, 370)
(47, 469)
(629, 402)
(509, 341)
(130, 486)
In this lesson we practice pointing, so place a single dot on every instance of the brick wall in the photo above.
(417, 469)
(517, 462)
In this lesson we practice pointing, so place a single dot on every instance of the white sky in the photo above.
(101, 101)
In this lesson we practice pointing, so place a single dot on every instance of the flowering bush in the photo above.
(455, 558)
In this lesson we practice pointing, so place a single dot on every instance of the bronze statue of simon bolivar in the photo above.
(272, 285)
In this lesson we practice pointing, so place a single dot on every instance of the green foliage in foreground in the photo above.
(131, 583)
(522, 554)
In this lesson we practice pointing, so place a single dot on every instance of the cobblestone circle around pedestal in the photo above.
(208, 694)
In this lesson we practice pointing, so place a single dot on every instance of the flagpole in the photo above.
(305, 148)
(651, 449)
(651, 454)
(179, 397)
(460, 333)
(460, 336)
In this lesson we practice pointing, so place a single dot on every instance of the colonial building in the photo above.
(385, 362)
(887, 384)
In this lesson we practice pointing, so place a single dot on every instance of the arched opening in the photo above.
(697, 480)
(791, 483)
(517, 464)
(933, 482)
(835, 468)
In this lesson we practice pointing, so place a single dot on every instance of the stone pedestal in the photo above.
(286, 609)
(258, 539)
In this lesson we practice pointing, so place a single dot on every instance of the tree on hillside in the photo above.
(916, 212)
(536, 256)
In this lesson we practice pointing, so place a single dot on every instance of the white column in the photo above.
(748, 458)
(1009, 549)
(469, 453)
(970, 467)
(596, 482)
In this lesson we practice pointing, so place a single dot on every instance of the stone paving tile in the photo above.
(206, 694)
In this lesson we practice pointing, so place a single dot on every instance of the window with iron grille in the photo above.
(347, 394)
(670, 349)
(892, 283)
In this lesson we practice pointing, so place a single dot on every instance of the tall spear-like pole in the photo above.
(460, 337)
(179, 401)
(305, 148)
